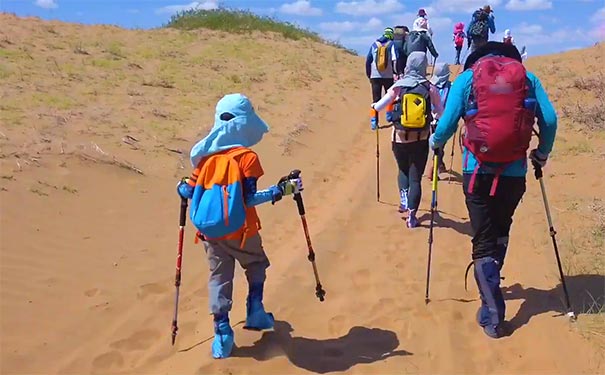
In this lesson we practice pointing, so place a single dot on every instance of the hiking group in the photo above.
(499, 101)
(497, 98)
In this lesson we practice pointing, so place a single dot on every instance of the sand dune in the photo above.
(96, 125)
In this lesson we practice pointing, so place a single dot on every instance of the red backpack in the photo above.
(501, 129)
(458, 38)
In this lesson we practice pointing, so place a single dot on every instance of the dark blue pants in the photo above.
(491, 219)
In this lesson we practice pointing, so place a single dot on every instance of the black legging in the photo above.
(411, 160)
(377, 85)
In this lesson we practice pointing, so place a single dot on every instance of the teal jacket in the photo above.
(457, 106)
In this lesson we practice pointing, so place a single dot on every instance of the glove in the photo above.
(432, 144)
(184, 189)
(538, 158)
(290, 186)
(276, 193)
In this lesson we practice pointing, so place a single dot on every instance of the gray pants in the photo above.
(221, 259)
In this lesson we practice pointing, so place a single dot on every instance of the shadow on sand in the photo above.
(359, 345)
(585, 292)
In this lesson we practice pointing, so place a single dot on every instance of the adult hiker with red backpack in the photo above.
(381, 68)
(223, 192)
(499, 101)
(482, 23)
(458, 38)
(412, 96)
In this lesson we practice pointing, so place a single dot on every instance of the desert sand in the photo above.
(95, 128)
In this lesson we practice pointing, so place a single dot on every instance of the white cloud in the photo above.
(461, 6)
(338, 27)
(527, 29)
(368, 7)
(300, 8)
(206, 5)
(520, 5)
(47, 4)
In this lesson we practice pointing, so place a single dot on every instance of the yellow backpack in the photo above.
(382, 56)
(415, 109)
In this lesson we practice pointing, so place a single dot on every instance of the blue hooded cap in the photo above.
(236, 124)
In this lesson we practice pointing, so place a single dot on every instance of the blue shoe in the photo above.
(493, 331)
(257, 319)
(223, 337)
(412, 221)
(403, 201)
(389, 116)
(373, 123)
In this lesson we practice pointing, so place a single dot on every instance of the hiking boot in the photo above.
(223, 337)
(374, 123)
(491, 313)
(412, 221)
(389, 116)
(403, 201)
(257, 319)
(493, 331)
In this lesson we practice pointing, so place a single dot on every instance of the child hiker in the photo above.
(223, 193)
(499, 130)
(458, 38)
(413, 96)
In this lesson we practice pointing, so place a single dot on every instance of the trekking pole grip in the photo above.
(183, 216)
(299, 203)
(537, 170)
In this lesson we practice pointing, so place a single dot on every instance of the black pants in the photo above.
(377, 85)
(458, 49)
(492, 217)
(411, 159)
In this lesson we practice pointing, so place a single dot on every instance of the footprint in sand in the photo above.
(106, 361)
(91, 292)
(140, 340)
(360, 279)
(151, 289)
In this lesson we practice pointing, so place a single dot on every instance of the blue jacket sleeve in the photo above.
(491, 23)
(546, 116)
(454, 109)
(369, 60)
(252, 197)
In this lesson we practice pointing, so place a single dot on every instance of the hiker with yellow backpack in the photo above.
(412, 98)
(381, 69)
(223, 193)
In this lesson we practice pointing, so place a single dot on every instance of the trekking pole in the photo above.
(179, 259)
(377, 160)
(539, 176)
(433, 70)
(319, 292)
(449, 178)
(433, 209)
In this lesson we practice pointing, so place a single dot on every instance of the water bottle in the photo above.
(530, 104)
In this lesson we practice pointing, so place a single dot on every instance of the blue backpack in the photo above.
(217, 206)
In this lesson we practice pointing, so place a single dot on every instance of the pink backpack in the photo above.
(501, 129)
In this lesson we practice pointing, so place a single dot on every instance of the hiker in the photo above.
(419, 40)
(413, 96)
(224, 164)
(495, 158)
(399, 36)
(441, 81)
(381, 68)
(422, 21)
(508, 38)
(458, 39)
(482, 23)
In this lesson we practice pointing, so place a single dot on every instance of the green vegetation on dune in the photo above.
(242, 21)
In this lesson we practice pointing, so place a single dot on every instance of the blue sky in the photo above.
(544, 26)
